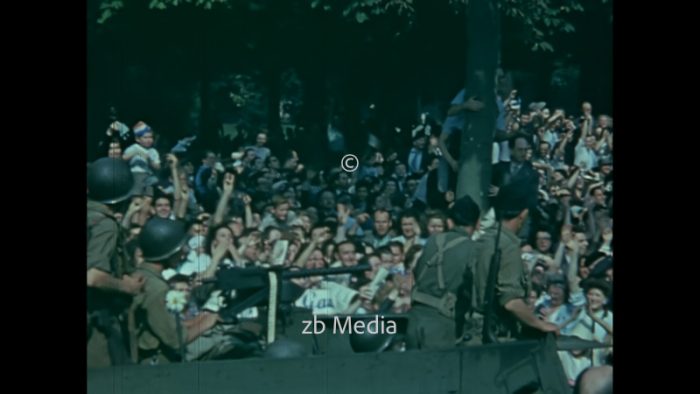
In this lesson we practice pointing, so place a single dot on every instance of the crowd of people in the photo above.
(262, 207)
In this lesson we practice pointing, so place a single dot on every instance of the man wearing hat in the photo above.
(508, 307)
(417, 156)
(158, 336)
(519, 171)
(443, 281)
(605, 168)
(594, 323)
(109, 287)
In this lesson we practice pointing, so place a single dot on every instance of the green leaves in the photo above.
(546, 46)
(115, 5)
(108, 9)
(540, 19)
(360, 10)
(542, 45)
(106, 14)
(155, 4)
(361, 17)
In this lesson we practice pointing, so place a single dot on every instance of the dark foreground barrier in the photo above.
(518, 367)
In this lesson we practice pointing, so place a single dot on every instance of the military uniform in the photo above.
(106, 309)
(156, 328)
(437, 290)
(512, 281)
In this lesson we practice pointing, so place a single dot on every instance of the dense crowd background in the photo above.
(256, 206)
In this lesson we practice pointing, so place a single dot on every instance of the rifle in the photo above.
(489, 336)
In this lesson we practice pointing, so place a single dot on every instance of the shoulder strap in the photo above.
(437, 258)
(439, 241)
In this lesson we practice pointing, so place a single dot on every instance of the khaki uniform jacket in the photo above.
(156, 327)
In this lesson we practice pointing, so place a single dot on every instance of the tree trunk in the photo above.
(207, 131)
(312, 114)
(483, 50)
(273, 102)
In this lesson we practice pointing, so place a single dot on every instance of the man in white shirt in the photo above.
(586, 156)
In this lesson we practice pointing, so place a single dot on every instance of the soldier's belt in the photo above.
(445, 304)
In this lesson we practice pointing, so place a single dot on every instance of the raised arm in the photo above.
(229, 180)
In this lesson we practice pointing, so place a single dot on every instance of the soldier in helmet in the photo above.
(159, 337)
(110, 287)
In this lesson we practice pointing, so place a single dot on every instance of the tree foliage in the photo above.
(540, 19)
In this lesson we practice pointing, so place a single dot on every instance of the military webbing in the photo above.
(446, 303)
(438, 257)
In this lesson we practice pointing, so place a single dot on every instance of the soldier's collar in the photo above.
(510, 234)
(460, 230)
(152, 268)
(99, 207)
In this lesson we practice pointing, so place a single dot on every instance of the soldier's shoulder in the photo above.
(103, 225)
(108, 227)
(155, 292)
(97, 214)
(450, 235)
(466, 240)
(94, 207)
(509, 238)
(445, 237)
(487, 236)
(154, 282)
